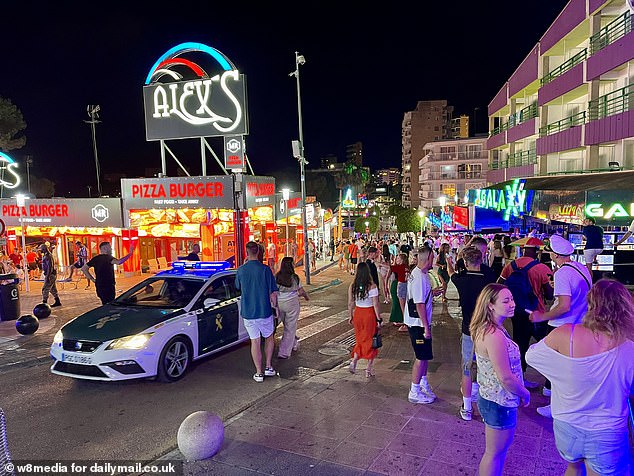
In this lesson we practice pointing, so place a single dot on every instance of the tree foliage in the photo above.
(408, 220)
(42, 187)
(373, 224)
(11, 123)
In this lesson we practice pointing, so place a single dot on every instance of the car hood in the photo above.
(112, 322)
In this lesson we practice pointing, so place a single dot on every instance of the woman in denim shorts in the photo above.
(499, 374)
(591, 367)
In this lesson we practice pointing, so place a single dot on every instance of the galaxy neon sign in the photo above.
(513, 201)
(182, 100)
(9, 177)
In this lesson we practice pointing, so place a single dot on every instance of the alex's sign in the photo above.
(199, 108)
(178, 192)
(77, 212)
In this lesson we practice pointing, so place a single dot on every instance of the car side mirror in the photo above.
(210, 302)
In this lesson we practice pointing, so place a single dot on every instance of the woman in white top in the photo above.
(591, 367)
(363, 304)
(500, 378)
(290, 290)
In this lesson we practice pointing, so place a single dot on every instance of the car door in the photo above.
(218, 323)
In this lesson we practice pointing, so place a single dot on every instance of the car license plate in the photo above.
(76, 359)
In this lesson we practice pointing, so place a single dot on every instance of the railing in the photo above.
(617, 28)
(452, 176)
(566, 123)
(519, 117)
(518, 159)
(612, 103)
(586, 171)
(565, 66)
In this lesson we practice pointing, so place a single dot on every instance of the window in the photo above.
(221, 289)
(448, 189)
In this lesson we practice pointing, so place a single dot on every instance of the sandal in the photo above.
(352, 367)
(369, 373)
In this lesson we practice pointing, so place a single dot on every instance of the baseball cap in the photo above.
(559, 245)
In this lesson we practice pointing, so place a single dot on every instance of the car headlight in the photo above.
(59, 337)
(134, 342)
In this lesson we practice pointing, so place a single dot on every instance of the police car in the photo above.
(155, 329)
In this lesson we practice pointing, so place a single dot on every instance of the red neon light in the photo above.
(197, 69)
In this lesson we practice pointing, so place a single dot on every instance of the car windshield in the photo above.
(169, 293)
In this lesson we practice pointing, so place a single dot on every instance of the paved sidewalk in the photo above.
(337, 423)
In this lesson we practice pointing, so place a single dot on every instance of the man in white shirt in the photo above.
(572, 284)
(628, 233)
(417, 317)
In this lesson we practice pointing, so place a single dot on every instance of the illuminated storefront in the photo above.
(63, 222)
(172, 214)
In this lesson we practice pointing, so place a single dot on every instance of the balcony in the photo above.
(452, 176)
(451, 156)
(525, 114)
(518, 159)
(574, 120)
(613, 31)
(565, 66)
(611, 117)
(612, 103)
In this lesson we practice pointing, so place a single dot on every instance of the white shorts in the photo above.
(590, 255)
(255, 327)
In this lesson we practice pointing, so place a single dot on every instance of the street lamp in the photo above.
(421, 214)
(20, 201)
(443, 201)
(300, 60)
(286, 194)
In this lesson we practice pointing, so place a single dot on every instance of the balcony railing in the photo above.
(518, 159)
(612, 103)
(565, 66)
(589, 171)
(522, 115)
(617, 28)
(566, 123)
(451, 176)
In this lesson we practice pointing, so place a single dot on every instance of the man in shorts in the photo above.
(417, 317)
(259, 298)
(593, 237)
(82, 258)
(354, 255)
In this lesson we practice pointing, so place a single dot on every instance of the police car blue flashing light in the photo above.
(197, 268)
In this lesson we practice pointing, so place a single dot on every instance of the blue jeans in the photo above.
(606, 452)
(496, 416)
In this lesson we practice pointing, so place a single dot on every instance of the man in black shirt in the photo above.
(372, 252)
(469, 284)
(193, 256)
(104, 271)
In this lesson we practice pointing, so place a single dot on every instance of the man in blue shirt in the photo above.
(593, 237)
(258, 299)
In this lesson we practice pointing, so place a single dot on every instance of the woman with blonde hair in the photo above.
(363, 304)
(591, 367)
(500, 378)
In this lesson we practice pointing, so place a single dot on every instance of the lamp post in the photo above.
(367, 229)
(20, 201)
(443, 201)
(300, 60)
(421, 215)
(286, 194)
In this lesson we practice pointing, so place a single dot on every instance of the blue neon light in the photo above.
(7, 158)
(203, 269)
(187, 47)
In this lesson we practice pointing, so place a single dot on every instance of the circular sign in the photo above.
(3, 228)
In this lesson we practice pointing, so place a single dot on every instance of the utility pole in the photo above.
(93, 113)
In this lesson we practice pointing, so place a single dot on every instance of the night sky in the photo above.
(365, 67)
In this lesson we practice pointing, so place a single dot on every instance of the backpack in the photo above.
(520, 287)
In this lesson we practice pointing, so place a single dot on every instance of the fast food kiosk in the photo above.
(170, 214)
(62, 222)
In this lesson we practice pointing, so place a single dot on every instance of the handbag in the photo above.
(377, 340)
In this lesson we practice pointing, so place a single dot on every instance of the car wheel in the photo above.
(174, 360)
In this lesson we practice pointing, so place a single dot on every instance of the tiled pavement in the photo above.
(336, 423)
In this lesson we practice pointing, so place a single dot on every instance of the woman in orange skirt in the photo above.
(363, 304)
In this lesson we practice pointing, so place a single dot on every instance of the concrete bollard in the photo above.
(200, 436)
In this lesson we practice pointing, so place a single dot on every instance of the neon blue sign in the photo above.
(514, 201)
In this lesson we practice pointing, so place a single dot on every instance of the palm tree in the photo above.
(351, 175)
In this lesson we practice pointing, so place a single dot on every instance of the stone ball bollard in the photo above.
(200, 436)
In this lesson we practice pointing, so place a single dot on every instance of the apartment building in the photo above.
(451, 167)
(569, 106)
(430, 121)
(389, 176)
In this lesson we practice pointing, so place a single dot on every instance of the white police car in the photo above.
(157, 328)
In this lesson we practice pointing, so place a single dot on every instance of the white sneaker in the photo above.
(418, 397)
(546, 392)
(466, 415)
(270, 372)
(545, 411)
(259, 378)
(426, 389)
(296, 344)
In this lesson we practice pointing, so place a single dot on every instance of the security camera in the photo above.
(301, 59)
